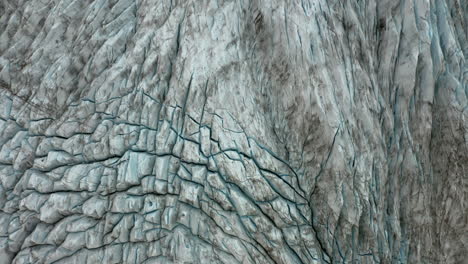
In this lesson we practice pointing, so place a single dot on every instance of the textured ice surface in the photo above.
(198, 131)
